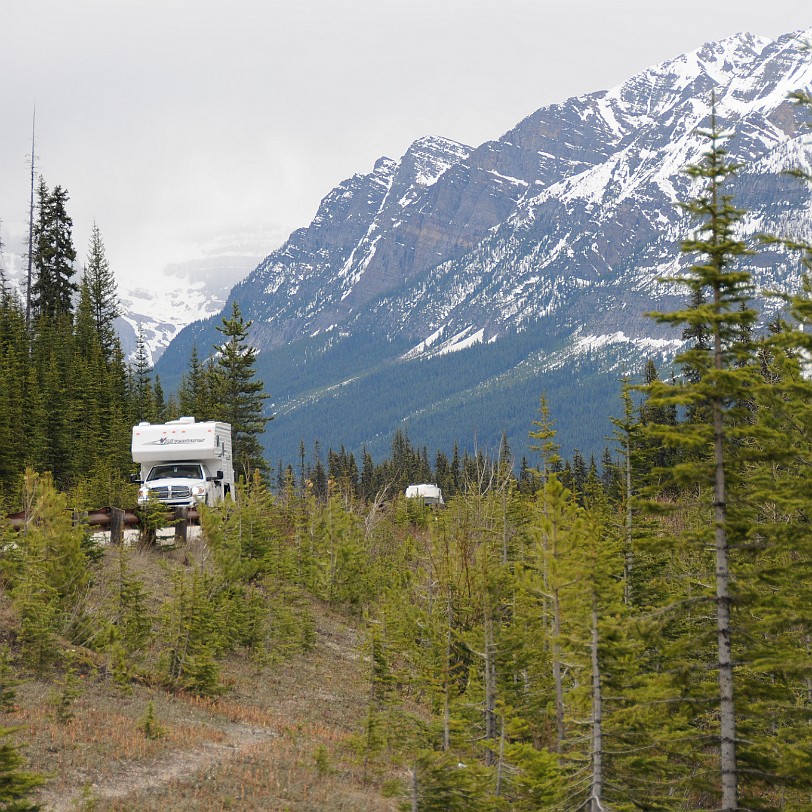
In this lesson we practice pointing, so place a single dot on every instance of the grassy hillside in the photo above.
(281, 735)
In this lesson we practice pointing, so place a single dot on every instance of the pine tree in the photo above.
(160, 407)
(16, 784)
(142, 397)
(544, 434)
(128, 610)
(367, 482)
(102, 292)
(89, 412)
(194, 395)
(50, 397)
(239, 397)
(193, 633)
(13, 372)
(718, 383)
(54, 255)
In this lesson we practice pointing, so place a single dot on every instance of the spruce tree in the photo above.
(194, 395)
(16, 784)
(238, 395)
(54, 255)
(142, 398)
(13, 371)
(715, 389)
(102, 292)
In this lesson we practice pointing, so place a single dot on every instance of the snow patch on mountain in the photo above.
(461, 340)
(591, 343)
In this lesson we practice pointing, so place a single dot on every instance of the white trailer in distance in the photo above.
(183, 463)
(428, 494)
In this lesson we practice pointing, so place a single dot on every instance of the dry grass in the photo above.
(254, 748)
(276, 775)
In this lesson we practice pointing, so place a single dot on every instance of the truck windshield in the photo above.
(177, 471)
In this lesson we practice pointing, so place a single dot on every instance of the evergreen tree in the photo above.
(160, 408)
(194, 395)
(88, 395)
(142, 397)
(13, 373)
(546, 446)
(16, 784)
(239, 397)
(103, 294)
(367, 482)
(717, 385)
(54, 255)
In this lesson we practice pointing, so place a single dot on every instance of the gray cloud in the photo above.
(185, 127)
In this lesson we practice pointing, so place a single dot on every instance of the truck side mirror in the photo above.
(216, 478)
(135, 479)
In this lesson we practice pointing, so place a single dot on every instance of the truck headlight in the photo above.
(199, 490)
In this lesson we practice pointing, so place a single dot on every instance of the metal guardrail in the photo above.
(115, 520)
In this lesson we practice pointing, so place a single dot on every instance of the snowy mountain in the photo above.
(448, 289)
(188, 292)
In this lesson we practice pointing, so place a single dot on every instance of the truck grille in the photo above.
(177, 492)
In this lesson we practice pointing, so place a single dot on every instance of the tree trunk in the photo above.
(557, 678)
(727, 714)
(556, 646)
(597, 718)
(490, 687)
(501, 763)
(415, 790)
(447, 684)
(628, 555)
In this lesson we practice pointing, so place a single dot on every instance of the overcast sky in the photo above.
(189, 127)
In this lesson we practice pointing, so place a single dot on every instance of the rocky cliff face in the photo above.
(550, 240)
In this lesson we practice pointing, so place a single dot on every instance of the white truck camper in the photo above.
(184, 463)
(429, 494)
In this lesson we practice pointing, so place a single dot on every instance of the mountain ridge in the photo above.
(551, 238)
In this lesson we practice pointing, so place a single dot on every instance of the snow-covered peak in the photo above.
(429, 157)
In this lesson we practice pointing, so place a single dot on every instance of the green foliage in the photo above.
(102, 294)
(49, 572)
(54, 254)
(65, 695)
(725, 487)
(16, 784)
(238, 394)
(442, 783)
(8, 682)
(149, 725)
(152, 517)
(550, 642)
(321, 759)
(193, 633)
(129, 619)
(538, 782)
(64, 405)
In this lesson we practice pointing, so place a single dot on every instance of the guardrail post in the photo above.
(181, 524)
(116, 525)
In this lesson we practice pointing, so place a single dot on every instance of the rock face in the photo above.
(533, 258)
